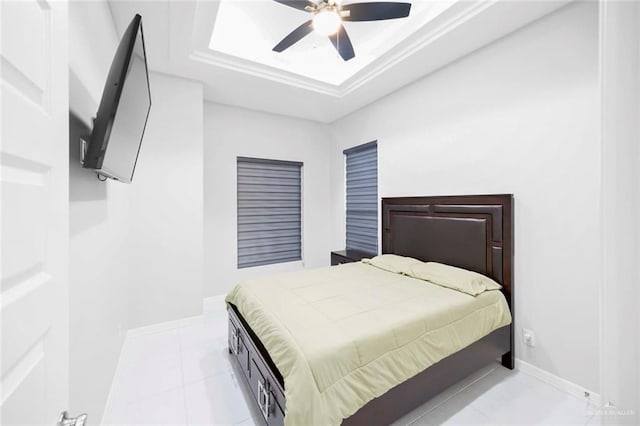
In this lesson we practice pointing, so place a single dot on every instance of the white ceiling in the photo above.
(227, 44)
(250, 29)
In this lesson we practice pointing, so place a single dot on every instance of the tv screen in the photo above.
(122, 115)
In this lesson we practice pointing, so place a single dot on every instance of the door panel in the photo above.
(23, 220)
(24, 387)
(34, 214)
(29, 23)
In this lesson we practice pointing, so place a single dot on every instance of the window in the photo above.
(269, 205)
(362, 197)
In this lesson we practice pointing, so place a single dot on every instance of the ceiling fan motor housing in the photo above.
(328, 17)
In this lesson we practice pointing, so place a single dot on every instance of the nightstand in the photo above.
(348, 256)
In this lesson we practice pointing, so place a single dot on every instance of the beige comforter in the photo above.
(344, 335)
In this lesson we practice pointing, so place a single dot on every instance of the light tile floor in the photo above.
(181, 374)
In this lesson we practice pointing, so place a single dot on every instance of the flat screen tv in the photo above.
(119, 125)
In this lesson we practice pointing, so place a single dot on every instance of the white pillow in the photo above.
(393, 263)
(459, 279)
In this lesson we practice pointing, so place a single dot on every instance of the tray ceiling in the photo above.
(227, 45)
(250, 29)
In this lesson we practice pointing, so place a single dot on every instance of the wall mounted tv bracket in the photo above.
(83, 149)
(84, 146)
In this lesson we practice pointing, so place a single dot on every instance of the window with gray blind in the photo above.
(362, 197)
(269, 205)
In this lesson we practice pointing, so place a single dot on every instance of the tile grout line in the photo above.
(154, 393)
(184, 390)
(179, 329)
(452, 396)
(107, 414)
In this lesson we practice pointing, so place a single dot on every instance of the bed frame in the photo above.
(474, 232)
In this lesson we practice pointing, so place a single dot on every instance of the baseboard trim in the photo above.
(163, 326)
(106, 413)
(208, 304)
(213, 303)
(559, 383)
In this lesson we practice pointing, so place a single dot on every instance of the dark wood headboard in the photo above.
(473, 232)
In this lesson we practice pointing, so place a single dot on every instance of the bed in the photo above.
(470, 232)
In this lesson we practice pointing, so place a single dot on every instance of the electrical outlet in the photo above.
(528, 337)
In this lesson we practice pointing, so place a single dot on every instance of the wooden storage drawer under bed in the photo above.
(238, 347)
(265, 388)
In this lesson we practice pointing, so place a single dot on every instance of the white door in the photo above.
(34, 176)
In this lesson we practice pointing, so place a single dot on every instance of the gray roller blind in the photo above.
(269, 204)
(362, 197)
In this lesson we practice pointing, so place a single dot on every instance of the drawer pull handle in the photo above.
(264, 398)
(235, 337)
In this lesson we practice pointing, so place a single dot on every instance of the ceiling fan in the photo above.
(328, 16)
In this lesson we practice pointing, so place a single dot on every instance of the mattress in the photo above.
(343, 335)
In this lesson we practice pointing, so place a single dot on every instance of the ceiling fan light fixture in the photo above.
(328, 17)
(326, 22)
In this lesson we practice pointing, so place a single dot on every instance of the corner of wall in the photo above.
(98, 212)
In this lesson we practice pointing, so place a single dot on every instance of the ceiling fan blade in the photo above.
(342, 43)
(294, 36)
(376, 11)
(296, 4)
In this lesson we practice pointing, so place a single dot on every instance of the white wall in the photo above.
(230, 132)
(620, 83)
(135, 250)
(519, 116)
(166, 207)
(98, 224)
